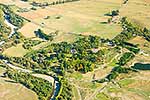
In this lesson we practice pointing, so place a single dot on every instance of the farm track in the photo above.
(97, 91)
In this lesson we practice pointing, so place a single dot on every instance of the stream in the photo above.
(51, 79)
(13, 28)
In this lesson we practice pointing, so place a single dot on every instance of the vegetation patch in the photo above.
(42, 87)
(126, 82)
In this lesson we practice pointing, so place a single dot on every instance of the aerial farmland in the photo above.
(74, 49)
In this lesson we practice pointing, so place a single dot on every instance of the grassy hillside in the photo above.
(14, 91)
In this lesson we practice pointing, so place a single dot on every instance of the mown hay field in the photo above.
(81, 17)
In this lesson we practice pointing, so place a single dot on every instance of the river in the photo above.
(13, 28)
(46, 77)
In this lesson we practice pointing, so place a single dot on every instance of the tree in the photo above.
(24, 0)
(115, 13)
(39, 33)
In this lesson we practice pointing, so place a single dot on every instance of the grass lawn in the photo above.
(126, 82)
(134, 86)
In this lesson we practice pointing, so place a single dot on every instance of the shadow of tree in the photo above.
(11, 81)
(141, 66)
(107, 14)
(103, 22)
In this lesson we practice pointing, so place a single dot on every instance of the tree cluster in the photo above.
(125, 58)
(24, 62)
(65, 91)
(42, 87)
(13, 18)
(13, 41)
(77, 56)
(4, 29)
(39, 33)
(131, 30)
(28, 44)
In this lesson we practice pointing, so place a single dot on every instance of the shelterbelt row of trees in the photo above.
(131, 30)
(36, 4)
(42, 87)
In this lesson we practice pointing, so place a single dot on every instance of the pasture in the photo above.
(137, 11)
(81, 17)
(130, 87)
(16, 51)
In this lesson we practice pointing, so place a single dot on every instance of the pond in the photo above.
(141, 66)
